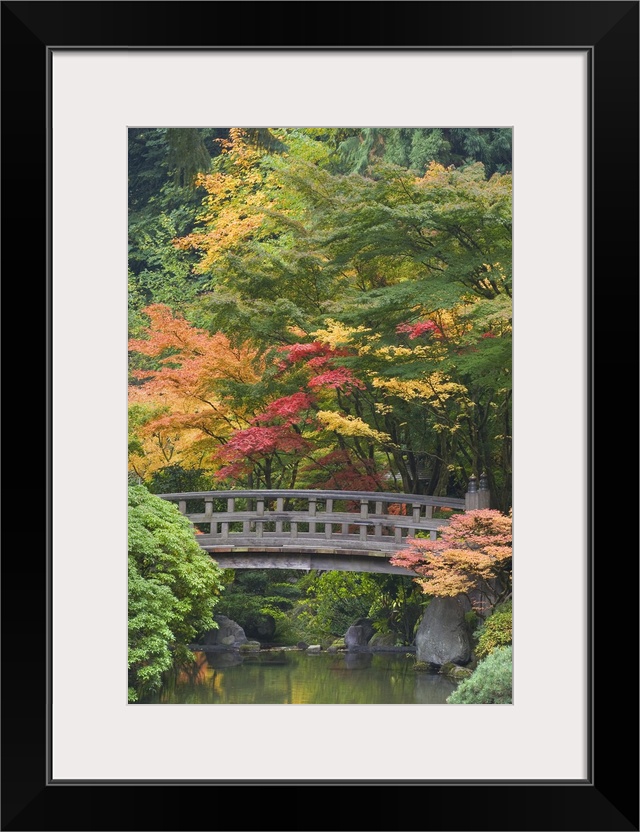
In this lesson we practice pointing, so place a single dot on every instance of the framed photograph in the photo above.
(563, 78)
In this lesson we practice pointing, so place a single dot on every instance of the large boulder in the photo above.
(443, 635)
(228, 633)
(358, 634)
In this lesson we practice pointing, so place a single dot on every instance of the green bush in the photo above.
(251, 594)
(286, 630)
(496, 631)
(173, 589)
(491, 682)
(338, 599)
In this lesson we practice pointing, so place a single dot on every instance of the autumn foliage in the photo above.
(176, 395)
(352, 327)
(471, 557)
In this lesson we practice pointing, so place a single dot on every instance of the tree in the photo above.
(403, 269)
(416, 148)
(173, 588)
(471, 557)
(163, 203)
(179, 412)
(385, 298)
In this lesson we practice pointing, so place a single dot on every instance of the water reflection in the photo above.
(430, 687)
(297, 678)
(357, 661)
(220, 660)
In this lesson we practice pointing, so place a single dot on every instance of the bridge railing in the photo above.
(352, 518)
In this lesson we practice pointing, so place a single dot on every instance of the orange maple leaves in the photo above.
(182, 392)
(471, 557)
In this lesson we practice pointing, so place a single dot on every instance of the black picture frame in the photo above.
(608, 799)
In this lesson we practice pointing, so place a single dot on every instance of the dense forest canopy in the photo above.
(320, 307)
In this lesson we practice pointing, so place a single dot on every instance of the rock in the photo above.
(250, 647)
(302, 645)
(422, 667)
(358, 634)
(382, 640)
(332, 649)
(228, 634)
(454, 671)
(443, 635)
(314, 648)
(339, 644)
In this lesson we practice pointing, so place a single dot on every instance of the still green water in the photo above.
(299, 678)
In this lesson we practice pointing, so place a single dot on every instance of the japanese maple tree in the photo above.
(471, 557)
(179, 409)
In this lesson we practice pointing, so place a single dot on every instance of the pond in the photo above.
(294, 677)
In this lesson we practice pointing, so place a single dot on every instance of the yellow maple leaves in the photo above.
(435, 388)
(337, 334)
(346, 425)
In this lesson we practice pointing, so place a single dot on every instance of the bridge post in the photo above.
(478, 495)
(377, 529)
(279, 507)
(328, 507)
(415, 513)
(364, 514)
(208, 513)
(484, 495)
(312, 512)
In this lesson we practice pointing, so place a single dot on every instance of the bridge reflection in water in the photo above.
(355, 531)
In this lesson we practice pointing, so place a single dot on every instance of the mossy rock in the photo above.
(250, 647)
(339, 644)
(455, 671)
(422, 667)
(383, 640)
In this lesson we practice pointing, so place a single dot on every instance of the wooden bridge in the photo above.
(355, 531)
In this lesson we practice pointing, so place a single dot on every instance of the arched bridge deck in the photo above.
(296, 529)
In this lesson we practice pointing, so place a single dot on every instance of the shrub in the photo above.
(340, 598)
(490, 683)
(496, 631)
(253, 595)
(173, 588)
